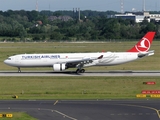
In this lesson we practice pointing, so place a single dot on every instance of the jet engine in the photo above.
(59, 67)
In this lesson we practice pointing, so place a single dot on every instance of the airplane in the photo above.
(63, 61)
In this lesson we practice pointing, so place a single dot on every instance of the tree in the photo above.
(147, 27)
(22, 33)
(56, 36)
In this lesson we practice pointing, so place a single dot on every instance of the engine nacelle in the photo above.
(59, 67)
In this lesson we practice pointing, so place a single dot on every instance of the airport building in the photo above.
(139, 16)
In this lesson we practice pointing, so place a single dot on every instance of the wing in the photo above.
(81, 62)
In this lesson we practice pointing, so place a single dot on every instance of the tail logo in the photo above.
(144, 45)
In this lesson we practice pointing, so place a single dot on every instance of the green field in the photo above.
(76, 87)
(17, 116)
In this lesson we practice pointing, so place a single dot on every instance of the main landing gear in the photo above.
(19, 69)
(80, 71)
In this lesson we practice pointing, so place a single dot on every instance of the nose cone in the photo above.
(5, 61)
(8, 62)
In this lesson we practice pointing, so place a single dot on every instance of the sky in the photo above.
(98, 5)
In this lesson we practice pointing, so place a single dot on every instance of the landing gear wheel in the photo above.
(82, 70)
(78, 71)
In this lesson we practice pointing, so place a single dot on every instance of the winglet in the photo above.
(100, 57)
(144, 44)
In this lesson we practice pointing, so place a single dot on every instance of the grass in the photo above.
(75, 87)
(17, 116)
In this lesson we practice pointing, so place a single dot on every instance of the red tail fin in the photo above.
(144, 44)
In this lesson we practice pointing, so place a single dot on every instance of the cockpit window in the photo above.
(9, 59)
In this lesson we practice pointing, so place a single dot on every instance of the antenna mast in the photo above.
(144, 8)
(122, 8)
(79, 14)
(37, 5)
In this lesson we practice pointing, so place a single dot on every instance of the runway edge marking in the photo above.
(56, 102)
(158, 111)
(65, 115)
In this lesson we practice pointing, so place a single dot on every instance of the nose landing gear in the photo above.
(19, 69)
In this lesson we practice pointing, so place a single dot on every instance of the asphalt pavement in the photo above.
(85, 110)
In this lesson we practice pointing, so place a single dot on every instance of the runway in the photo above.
(88, 73)
(86, 110)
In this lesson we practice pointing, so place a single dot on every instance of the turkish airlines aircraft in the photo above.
(63, 61)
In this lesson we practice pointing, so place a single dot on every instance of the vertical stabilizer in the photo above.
(144, 44)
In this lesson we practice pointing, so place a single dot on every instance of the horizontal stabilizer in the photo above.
(143, 54)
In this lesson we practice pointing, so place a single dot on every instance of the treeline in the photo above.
(64, 25)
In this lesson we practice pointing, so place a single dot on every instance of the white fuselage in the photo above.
(48, 60)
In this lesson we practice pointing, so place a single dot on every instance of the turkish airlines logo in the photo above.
(144, 45)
